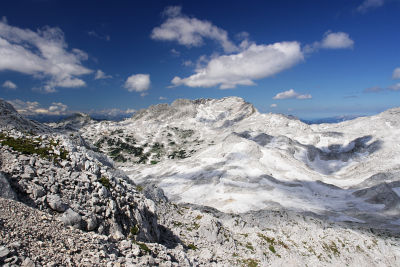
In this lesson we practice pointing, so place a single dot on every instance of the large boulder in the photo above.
(5, 188)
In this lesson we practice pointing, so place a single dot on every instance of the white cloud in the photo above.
(58, 107)
(42, 54)
(162, 98)
(273, 105)
(190, 31)
(10, 85)
(291, 94)
(138, 83)
(175, 52)
(374, 89)
(396, 73)
(130, 111)
(187, 63)
(331, 40)
(368, 4)
(377, 89)
(337, 40)
(394, 87)
(172, 11)
(29, 108)
(99, 36)
(101, 75)
(256, 62)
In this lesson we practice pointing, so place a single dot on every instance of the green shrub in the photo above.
(142, 246)
(105, 182)
(272, 249)
(30, 146)
(134, 230)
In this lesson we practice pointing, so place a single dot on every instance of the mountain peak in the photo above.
(11, 119)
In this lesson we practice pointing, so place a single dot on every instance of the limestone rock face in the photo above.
(83, 188)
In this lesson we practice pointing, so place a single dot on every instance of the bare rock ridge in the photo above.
(10, 119)
(209, 182)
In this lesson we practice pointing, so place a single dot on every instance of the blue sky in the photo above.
(311, 59)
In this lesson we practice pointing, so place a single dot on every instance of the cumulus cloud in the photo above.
(9, 85)
(138, 83)
(43, 54)
(291, 94)
(162, 98)
(101, 75)
(331, 40)
(369, 4)
(255, 62)
(30, 108)
(396, 73)
(190, 31)
(58, 107)
(273, 105)
(337, 40)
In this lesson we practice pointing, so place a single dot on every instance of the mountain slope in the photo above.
(212, 152)
(225, 154)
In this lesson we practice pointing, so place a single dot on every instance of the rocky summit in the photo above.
(209, 182)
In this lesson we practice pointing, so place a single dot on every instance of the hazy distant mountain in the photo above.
(334, 119)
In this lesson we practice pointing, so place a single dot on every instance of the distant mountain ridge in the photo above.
(334, 119)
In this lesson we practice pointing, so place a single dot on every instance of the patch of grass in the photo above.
(281, 243)
(250, 262)
(177, 224)
(30, 146)
(192, 246)
(270, 240)
(105, 182)
(153, 162)
(139, 188)
(249, 246)
(331, 248)
(181, 154)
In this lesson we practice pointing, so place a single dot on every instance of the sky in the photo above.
(310, 59)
